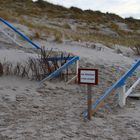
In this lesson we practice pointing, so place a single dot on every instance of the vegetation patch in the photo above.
(35, 68)
(88, 23)
(136, 49)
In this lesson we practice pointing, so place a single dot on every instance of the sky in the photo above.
(124, 8)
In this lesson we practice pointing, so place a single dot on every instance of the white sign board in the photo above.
(88, 76)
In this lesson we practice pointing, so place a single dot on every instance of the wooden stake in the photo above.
(89, 101)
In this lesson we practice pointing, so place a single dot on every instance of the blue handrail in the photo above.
(18, 32)
(120, 82)
(59, 58)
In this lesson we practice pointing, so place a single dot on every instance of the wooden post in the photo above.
(89, 101)
(90, 78)
(67, 74)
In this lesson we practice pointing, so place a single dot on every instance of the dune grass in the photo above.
(105, 39)
(41, 28)
(17, 10)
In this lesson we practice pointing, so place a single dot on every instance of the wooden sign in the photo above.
(88, 76)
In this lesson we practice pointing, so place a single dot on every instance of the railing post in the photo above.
(15, 37)
(77, 67)
(122, 97)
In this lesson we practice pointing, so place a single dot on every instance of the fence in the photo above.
(120, 83)
(71, 60)
(65, 66)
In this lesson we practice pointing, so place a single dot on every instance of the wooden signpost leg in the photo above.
(89, 98)
(90, 78)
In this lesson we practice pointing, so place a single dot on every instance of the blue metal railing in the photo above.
(18, 32)
(120, 82)
(59, 58)
(58, 71)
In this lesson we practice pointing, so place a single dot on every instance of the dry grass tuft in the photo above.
(66, 26)
(17, 10)
(136, 49)
(58, 37)
(1, 69)
(35, 68)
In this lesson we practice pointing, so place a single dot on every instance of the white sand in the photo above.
(95, 56)
(15, 55)
(54, 113)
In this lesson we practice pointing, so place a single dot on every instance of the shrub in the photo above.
(136, 49)
(67, 26)
(76, 10)
(114, 26)
(1, 69)
(36, 35)
(58, 37)
(41, 3)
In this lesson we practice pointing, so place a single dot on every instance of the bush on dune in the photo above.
(136, 49)
(1, 69)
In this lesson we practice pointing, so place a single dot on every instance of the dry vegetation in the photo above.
(136, 49)
(26, 11)
(1, 69)
(35, 68)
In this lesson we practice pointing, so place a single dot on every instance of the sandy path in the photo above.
(53, 113)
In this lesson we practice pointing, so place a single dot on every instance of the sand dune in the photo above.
(55, 111)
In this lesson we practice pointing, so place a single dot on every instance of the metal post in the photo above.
(122, 97)
(77, 67)
(15, 37)
(89, 101)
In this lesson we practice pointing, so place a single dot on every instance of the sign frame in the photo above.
(96, 76)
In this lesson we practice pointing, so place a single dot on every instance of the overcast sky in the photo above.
(124, 8)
